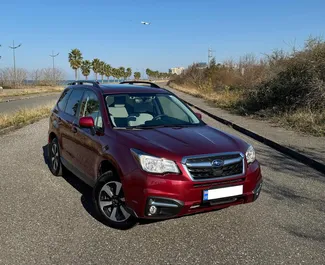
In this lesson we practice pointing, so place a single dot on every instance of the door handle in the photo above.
(74, 129)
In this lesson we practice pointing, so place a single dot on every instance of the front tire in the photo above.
(109, 202)
(55, 164)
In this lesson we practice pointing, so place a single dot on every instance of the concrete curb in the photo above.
(285, 150)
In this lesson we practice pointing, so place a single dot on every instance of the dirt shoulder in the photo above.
(311, 146)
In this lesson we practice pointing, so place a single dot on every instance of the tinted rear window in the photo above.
(62, 102)
(73, 102)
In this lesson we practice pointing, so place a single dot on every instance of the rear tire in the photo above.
(109, 202)
(55, 164)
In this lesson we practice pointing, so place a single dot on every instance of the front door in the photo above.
(90, 147)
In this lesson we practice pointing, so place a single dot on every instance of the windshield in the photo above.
(149, 110)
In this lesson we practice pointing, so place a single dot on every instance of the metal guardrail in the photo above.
(320, 167)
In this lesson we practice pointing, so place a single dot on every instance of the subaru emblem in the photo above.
(217, 163)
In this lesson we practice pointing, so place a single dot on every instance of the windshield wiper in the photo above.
(157, 126)
(144, 127)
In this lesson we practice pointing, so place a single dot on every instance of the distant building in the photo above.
(176, 70)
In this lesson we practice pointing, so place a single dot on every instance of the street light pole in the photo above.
(53, 69)
(13, 47)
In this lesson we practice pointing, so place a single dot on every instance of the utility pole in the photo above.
(210, 55)
(0, 55)
(53, 56)
(13, 47)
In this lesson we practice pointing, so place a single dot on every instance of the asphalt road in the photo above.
(34, 101)
(48, 220)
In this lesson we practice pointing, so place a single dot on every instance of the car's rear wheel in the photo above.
(55, 164)
(110, 202)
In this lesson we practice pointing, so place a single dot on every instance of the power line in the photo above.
(53, 69)
(13, 47)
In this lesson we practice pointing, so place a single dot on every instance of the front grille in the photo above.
(201, 168)
(211, 158)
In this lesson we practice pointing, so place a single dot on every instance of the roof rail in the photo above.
(141, 82)
(85, 82)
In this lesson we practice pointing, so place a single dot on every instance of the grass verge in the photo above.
(302, 120)
(24, 116)
(225, 99)
(5, 93)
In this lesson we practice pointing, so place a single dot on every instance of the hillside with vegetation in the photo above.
(288, 88)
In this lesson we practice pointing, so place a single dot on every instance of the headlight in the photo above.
(154, 164)
(250, 154)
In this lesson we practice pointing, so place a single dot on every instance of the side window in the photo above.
(90, 107)
(62, 102)
(73, 102)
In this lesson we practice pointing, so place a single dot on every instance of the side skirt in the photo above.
(77, 172)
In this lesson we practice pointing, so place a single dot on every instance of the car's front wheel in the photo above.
(110, 202)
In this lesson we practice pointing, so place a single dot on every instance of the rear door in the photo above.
(68, 127)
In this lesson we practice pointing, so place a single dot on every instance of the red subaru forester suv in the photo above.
(146, 154)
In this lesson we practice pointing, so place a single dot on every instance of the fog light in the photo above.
(152, 209)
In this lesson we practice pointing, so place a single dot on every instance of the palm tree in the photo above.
(149, 73)
(128, 72)
(137, 75)
(119, 74)
(75, 60)
(102, 70)
(113, 73)
(122, 72)
(108, 71)
(85, 68)
(96, 66)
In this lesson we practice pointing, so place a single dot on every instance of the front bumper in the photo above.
(177, 195)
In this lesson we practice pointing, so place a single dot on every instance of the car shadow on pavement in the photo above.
(45, 155)
(79, 185)
(84, 189)
(86, 194)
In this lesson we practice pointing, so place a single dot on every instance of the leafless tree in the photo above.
(36, 76)
(46, 77)
(7, 77)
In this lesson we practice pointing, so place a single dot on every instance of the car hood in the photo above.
(175, 143)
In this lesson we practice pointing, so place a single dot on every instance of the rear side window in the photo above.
(62, 102)
(73, 102)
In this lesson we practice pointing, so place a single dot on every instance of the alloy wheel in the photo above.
(55, 156)
(112, 202)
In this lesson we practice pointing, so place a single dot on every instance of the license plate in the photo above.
(222, 193)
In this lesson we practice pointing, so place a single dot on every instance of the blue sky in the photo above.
(180, 33)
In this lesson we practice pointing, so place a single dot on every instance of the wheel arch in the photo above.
(107, 165)
(52, 135)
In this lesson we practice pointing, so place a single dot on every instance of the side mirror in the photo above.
(86, 122)
(199, 115)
